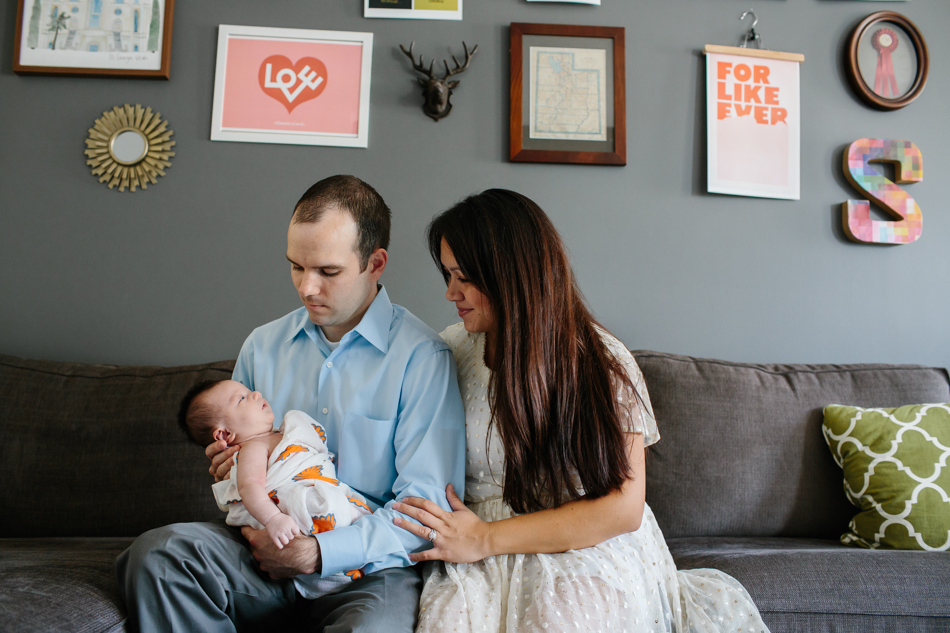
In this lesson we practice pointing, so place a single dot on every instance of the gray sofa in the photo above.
(741, 481)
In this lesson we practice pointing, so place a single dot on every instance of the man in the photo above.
(383, 385)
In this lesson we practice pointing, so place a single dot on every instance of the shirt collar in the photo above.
(374, 326)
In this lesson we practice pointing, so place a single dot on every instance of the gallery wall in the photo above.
(182, 272)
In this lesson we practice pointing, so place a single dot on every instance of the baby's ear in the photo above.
(221, 434)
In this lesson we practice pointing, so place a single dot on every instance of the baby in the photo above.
(286, 483)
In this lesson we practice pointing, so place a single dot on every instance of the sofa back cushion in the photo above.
(741, 451)
(94, 450)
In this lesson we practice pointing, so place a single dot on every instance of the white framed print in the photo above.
(597, 2)
(413, 9)
(292, 86)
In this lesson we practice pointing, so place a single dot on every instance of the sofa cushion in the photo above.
(741, 451)
(94, 450)
(896, 465)
(821, 582)
(60, 584)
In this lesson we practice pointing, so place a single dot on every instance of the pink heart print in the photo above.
(292, 84)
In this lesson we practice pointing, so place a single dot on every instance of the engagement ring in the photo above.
(432, 535)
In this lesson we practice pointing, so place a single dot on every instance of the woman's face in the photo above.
(472, 305)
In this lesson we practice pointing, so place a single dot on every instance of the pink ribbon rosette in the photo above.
(884, 42)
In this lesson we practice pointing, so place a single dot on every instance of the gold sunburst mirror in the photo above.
(129, 146)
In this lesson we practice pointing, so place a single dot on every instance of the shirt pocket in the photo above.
(367, 457)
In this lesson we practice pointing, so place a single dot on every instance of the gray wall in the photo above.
(182, 272)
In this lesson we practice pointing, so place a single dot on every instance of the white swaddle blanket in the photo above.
(301, 479)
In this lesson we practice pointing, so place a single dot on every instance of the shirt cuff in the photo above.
(340, 550)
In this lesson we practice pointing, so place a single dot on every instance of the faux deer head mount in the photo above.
(437, 91)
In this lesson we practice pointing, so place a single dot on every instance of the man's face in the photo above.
(325, 269)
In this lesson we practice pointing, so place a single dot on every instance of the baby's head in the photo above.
(224, 410)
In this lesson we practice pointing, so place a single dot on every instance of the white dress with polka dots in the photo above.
(628, 583)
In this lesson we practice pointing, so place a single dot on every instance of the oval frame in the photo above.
(920, 50)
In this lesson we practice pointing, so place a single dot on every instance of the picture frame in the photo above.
(99, 38)
(413, 9)
(887, 61)
(292, 86)
(589, 125)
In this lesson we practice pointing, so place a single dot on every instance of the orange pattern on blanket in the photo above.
(315, 472)
(320, 432)
(359, 504)
(290, 450)
(354, 574)
(273, 496)
(323, 523)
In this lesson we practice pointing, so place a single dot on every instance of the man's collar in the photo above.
(374, 326)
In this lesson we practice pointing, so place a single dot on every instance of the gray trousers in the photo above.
(202, 577)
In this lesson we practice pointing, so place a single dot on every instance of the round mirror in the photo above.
(128, 146)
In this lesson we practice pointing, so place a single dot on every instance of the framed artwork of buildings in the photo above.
(95, 38)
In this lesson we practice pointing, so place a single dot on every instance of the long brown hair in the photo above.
(554, 384)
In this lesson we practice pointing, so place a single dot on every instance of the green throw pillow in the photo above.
(896, 466)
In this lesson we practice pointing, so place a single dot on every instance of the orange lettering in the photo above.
(752, 94)
(723, 110)
(771, 95)
(723, 69)
(743, 110)
(742, 72)
(761, 115)
(721, 94)
(778, 116)
(761, 74)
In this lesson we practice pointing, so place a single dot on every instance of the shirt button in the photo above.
(325, 410)
(329, 364)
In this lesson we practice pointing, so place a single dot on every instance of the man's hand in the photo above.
(300, 556)
(222, 458)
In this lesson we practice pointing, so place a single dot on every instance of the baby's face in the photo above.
(245, 413)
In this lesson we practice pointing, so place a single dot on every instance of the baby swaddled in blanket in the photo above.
(282, 481)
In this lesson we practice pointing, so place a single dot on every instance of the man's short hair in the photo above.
(197, 417)
(357, 198)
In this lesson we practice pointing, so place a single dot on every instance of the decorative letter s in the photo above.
(908, 167)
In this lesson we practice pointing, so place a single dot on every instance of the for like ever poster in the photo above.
(753, 119)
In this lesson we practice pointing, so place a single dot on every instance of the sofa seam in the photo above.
(168, 371)
(840, 369)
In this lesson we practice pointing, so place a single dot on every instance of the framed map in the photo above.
(567, 94)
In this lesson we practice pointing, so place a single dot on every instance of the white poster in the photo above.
(753, 123)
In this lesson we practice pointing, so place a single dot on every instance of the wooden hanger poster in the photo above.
(753, 116)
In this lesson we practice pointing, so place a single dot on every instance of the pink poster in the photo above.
(292, 86)
(753, 122)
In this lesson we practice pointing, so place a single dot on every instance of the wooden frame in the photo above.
(131, 64)
(565, 147)
(852, 62)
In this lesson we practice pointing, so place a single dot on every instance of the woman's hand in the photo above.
(462, 537)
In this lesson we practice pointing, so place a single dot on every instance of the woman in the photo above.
(556, 535)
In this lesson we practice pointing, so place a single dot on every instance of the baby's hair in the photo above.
(196, 417)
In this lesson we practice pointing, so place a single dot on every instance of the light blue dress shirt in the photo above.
(388, 397)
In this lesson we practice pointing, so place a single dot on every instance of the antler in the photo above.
(458, 68)
(420, 67)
